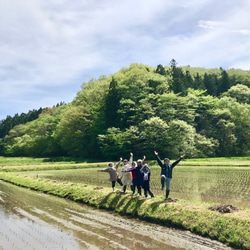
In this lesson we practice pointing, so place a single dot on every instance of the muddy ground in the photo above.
(33, 220)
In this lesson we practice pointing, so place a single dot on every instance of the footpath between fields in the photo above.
(231, 228)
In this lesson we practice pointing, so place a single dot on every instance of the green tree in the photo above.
(181, 139)
(188, 79)
(240, 118)
(198, 82)
(112, 104)
(240, 92)
(154, 135)
(138, 109)
(160, 70)
(224, 131)
(224, 83)
(171, 107)
(126, 113)
(73, 131)
(36, 137)
(211, 83)
(178, 78)
(115, 143)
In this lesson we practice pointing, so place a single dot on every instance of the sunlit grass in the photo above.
(243, 158)
(27, 161)
(216, 184)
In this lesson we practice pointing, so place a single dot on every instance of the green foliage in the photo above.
(171, 106)
(155, 135)
(115, 143)
(10, 122)
(172, 109)
(240, 92)
(178, 78)
(35, 138)
(224, 82)
(71, 131)
(112, 104)
(211, 83)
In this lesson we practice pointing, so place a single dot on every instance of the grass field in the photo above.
(223, 180)
(230, 185)
(29, 161)
(197, 184)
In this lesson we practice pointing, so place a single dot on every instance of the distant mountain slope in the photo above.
(175, 110)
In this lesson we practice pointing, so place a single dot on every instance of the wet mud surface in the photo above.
(33, 220)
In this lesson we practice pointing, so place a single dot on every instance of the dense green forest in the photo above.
(10, 122)
(175, 110)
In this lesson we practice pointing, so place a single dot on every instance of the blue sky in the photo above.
(49, 48)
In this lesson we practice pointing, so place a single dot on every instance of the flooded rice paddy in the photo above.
(228, 185)
(33, 220)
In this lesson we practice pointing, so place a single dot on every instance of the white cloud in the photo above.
(244, 32)
(60, 44)
(209, 24)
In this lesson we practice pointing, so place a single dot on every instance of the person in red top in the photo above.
(136, 174)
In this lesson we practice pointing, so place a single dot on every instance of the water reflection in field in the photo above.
(229, 185)
(32, 220)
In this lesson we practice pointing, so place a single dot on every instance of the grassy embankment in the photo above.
(233, 229)
(13, 164)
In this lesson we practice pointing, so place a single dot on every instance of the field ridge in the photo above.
(233, 229)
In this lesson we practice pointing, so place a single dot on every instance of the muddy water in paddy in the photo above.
(33, 220)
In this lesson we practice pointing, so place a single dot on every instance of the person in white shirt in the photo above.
(127, 176)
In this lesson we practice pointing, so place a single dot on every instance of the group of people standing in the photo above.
(133, 174)
(137, 175)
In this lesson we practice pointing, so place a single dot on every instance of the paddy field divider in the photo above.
(232, 229)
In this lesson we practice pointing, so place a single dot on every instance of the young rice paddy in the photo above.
(228, 185)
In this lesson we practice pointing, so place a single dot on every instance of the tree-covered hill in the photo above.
(172, 109)
(10, 122)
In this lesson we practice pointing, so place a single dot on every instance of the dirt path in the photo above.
(31, 220)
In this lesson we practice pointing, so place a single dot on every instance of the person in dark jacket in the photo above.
(166, 171)
(137, 175)
(145, 170)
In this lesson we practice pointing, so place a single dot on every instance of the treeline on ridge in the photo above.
(199, 112)
(10, 122)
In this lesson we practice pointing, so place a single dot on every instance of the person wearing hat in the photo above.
(166, 171)
(127, 177)
(137, 175)
(146, 171)
(112, 170)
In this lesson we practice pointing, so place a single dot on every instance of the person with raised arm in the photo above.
(113, 174)
(126, 177)
(166, 171)
(137, 175)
